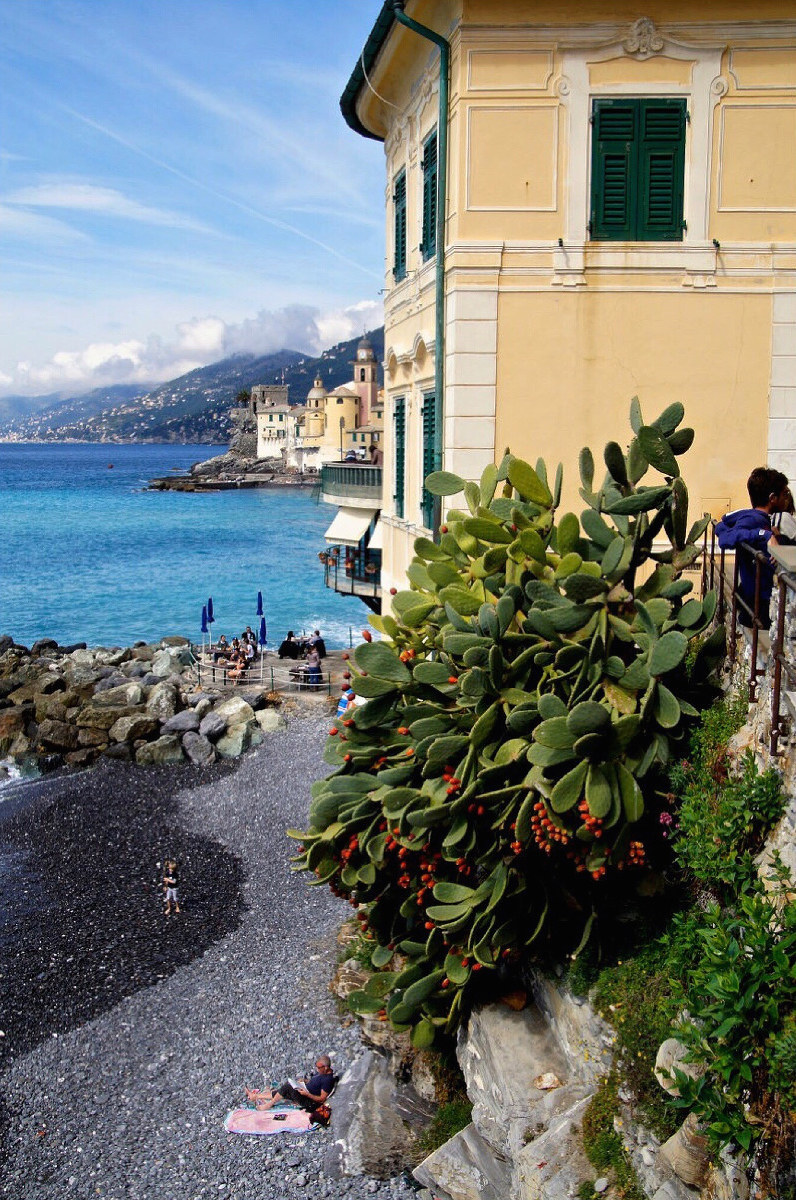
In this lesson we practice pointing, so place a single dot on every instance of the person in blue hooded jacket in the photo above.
(767, 494)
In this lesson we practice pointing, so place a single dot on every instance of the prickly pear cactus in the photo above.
(500, 783)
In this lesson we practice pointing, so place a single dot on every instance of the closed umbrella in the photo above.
(205, 626)
(259, 604)
(210, 618)
(262, 640)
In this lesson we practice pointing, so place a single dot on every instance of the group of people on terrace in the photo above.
(238, 655)
(311, 650)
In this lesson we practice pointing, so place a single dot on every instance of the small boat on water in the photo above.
(110, 466)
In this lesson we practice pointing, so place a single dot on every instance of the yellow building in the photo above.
(618, 218)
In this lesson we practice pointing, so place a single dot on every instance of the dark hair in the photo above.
(763, 483)
(290, 633)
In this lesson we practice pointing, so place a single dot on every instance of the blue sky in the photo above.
(177, 183)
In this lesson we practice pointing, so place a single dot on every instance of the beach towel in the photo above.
(273, 1120)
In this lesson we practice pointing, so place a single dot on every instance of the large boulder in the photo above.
(82, 658)
(133, 726)
(255, 696)
(163, 752)
(43, 645)
(163, 701)
(376, 1121)
(465, 1167)
(235, 711)
(182, 722)
(235, 741)
(212, 726)
(168, 660)
(92, 737)
(270, 720)
(113, 679)
(128, 695)
(59, 734)
(12, 723)
(176, 641)
(198, 749)
(100, 718)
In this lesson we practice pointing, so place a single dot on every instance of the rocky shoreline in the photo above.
(71, 705)
(131, 1034)
(232, 470)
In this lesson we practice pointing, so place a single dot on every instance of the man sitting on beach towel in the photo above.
(309, 1096)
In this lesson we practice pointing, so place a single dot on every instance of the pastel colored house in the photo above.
(599, 202)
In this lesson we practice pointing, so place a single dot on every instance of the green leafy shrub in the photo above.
(525, 701)
(449, 1119)
(740, 994)
(723, 817)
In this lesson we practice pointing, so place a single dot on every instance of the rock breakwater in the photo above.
(71, 705)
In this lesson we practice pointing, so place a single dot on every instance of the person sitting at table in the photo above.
(248, 652)
(316, 642)
(238, 666)
(222, 649)
(248, 635)
(289, 647)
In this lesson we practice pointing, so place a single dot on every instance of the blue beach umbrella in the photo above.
(210, 617)
(262, 641)
(259, 604)
(204, 618)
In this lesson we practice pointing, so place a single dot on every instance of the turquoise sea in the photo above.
(89, 555)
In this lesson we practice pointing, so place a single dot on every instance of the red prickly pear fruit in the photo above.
(367, 635)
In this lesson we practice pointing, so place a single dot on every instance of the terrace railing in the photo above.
(721, 570)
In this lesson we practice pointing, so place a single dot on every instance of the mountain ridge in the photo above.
(191, 408)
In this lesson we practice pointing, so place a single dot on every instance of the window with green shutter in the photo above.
(400, 454)
(638, 166)
(429, 429)
(428, 246)
(399, 208)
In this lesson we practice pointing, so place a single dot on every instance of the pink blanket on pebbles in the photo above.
(249, 1120)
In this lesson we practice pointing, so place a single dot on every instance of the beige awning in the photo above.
(348, 527)
(377, 537)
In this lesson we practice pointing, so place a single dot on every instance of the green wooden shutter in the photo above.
(661, 170)
(400, 454)
(428, 245)
(429, 429)
(613, 175)
(399, 206)
(638, 166)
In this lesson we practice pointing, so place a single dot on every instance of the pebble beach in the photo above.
(128, 1035)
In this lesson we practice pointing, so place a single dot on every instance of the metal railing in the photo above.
(351, 480)
(716, 574)
(359, 574)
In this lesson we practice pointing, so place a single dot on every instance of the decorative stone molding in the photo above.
(563, 86)
(719, 86)
(643, 39)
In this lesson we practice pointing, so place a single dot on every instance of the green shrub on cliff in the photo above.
(500, 787)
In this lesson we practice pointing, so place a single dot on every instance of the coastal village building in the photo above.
(597, 203)
(352, 563)
(328, 425)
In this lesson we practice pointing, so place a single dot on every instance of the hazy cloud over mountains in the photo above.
(195, 343)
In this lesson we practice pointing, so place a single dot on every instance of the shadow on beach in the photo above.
(83, 922)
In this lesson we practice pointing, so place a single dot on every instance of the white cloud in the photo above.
(196, 343)
(100, 201)
(28, 226)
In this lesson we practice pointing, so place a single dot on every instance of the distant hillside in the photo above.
(193, 408)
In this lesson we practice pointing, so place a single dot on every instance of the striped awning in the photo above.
(349, 526)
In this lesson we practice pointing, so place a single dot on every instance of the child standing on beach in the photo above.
(170, 886)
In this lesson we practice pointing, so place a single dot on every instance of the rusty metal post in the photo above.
(778, 652)
(754, 672)
(734, 617)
